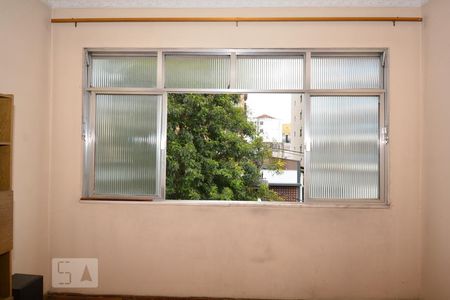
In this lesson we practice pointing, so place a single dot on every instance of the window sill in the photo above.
(216, 203)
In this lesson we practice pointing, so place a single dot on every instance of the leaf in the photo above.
(213, 150)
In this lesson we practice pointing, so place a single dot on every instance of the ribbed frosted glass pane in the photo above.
(346, 72)
(269, 72)
(127, 71)
(126, 144)
(203, 72)
(344, 157)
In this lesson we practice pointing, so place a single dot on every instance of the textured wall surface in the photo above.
(235, 251)
(24, 72)
(436, 171)
(229, 3)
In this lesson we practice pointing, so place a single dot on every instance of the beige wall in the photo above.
(232, 251)
(24, 72)
(436, 161)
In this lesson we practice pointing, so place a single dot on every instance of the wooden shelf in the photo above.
(5, 168)
(6, 195)
(5, 118)
(6, 221)
(5, 275)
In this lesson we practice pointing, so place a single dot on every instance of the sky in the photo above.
(274, 105)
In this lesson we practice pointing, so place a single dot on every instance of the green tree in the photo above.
(213, 151)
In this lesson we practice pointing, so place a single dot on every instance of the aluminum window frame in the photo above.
(88, 125)
(306, 91)
(382, 149)
(383, 73)
(237, 54)
(89, 152)
(87, 78)
(205, 53)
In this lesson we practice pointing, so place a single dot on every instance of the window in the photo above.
(123, 140)
(344, 162)
(197, 71)
(345, 144)
(269, 72)
(341, 143)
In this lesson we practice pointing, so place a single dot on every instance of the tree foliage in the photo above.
(213, 150)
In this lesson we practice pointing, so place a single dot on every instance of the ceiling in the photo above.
(229, 3)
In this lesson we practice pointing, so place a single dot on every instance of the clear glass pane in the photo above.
(195, 71)
(125, 71)
(269, 72)
(346, 72)
(344, 157)
(127, 144)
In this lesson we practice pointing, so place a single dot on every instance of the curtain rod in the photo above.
(239, 19)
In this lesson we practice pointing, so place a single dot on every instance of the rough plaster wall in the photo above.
(230, 3)
(436, 199)
(232, 251)
(24, 72)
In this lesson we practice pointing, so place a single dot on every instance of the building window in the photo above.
(127, 146)
(343, 128)
(123, 136)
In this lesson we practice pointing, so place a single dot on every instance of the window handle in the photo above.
(384, 135)
(83, 132)
(307, 146)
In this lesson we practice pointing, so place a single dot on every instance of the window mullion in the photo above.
(383, 153)
(307, 70)
(163, 146)
(307, 146)
(233, 62)
(91, 143)
(306, 127)
(160, 70)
